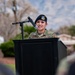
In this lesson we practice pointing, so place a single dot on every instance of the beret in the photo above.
(41, 17)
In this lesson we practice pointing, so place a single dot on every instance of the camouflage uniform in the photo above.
(65, 64)
(46, 34)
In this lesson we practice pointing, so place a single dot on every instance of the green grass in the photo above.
(11, 66)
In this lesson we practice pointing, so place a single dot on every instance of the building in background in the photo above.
(68, 40)
(1, 39)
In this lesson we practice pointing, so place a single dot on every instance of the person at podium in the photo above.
(41, 32)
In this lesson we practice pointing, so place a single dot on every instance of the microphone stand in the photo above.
(21, 24)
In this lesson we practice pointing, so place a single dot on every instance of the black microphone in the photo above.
(31, 21)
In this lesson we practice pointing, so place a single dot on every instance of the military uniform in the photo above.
(65, 64)
(46, 34)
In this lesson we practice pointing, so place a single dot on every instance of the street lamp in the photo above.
(14, 10)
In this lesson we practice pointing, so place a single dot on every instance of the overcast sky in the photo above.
(59, 12)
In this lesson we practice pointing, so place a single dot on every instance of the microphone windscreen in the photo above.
(31, 21)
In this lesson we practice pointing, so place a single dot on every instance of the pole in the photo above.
(21, 24)
(14, 10)
(15, 15)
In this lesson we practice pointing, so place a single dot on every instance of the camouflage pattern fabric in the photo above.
(65, 64)
(46, 34)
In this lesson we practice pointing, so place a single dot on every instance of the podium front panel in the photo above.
(36, 57)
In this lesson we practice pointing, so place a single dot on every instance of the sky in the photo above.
(58, 12)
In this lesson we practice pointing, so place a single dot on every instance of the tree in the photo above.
(7, 30)
(27, 31)
(63, 30)
(72, 30)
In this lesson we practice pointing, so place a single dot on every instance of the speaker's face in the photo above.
(41, 25)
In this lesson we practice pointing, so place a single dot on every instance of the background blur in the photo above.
(61, 20)
(60, 14)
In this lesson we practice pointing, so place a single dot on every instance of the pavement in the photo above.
(7, 60)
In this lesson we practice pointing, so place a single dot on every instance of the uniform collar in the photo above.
(43, 34)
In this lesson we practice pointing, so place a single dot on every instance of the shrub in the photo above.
(18, 37)
(8, 48)
(26, 32)
(29, 29)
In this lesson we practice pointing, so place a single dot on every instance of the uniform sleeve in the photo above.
(52, 34)
(31, 35)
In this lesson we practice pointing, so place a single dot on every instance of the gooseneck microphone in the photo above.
(30, 20)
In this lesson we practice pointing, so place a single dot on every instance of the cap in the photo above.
(41, 17)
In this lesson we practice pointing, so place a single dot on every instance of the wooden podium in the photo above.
(38, 56)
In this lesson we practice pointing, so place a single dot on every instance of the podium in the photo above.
(38, 56)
